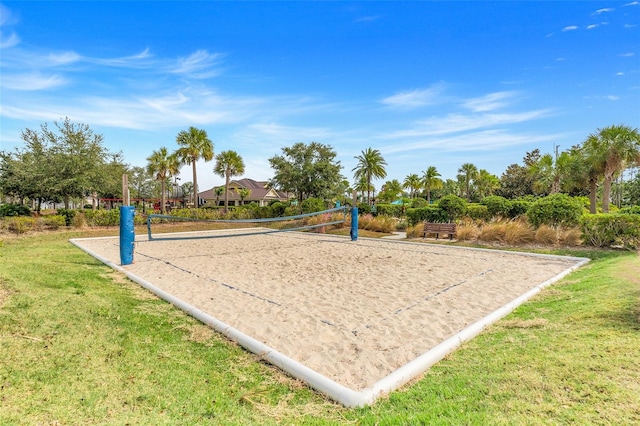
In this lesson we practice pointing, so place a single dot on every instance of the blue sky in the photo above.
(426, 83)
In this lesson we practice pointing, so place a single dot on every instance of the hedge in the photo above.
(611, 229)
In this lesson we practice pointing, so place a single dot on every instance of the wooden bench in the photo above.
(439, 228)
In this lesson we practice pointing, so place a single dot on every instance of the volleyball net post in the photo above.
(354, 217)
(127, 234)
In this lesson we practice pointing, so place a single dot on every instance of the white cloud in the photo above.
(31, 82)
(613, 97)
(486, 140)
(592, 26)
(199, 64)
(10, 41)
(64, 58)
(627, 54)
(458, 123)
(489, 102)
(633, 3)
(416, 98)
(367, 19)
(604, 10)
(570, 28)
(620, 73)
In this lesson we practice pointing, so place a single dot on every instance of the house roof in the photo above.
(259, 191)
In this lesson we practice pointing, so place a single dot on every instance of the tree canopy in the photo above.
(307, 170)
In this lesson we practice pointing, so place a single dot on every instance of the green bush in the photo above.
(103, 217)
(53, 221)
(555, 210)
(497, 206)
(364, 208)
(393, 210)
(630, 210)
(478, 212)
(418, 203)
(20, 224)
(453, 205)
(68, 215)
(311, 205)
(519, 207)
(606, 230)
(12, 210)
(428, 214)
(277, 209)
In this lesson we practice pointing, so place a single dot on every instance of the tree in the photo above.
(518, 180)
(362, 186)
(228, 163)
(431, 180)
(610, 151)
(243, 193)
(56, 164)
(486, 183)
(194, 145)
(370, 165)
(467, 173)
(413, 183)
(390, 190)
(162, 166)
(218, 191)
(307, 170)
(187, 191)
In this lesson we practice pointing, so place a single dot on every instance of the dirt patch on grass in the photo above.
(4, 293)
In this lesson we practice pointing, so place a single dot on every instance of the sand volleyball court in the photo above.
(355, 319)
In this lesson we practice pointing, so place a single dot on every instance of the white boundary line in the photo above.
(342, 394)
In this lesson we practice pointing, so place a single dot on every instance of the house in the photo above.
(257, 192)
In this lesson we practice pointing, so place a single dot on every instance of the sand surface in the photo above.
(352, 311)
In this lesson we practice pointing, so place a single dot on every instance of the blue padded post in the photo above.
(354, 223)
(127, 234)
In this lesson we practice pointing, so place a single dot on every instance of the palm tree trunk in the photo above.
(606, 194)
(593, 194)
(226, 193)
(163, 199)
(195, 184)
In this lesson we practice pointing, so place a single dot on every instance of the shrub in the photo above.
(428, 214)
(418, 203)
(606, 230)
(53, 222)
(393, 210)
(517, 233)
(555, 210)
(377, 224)
(519, 207)
(630, 210)
(497, 206)
(311, 205)
(494, 231)
(466, 232)
(545, 234)
(364, 208)
(20, 224)
(477, 212)
(570, 237)
(453, 206)
(415, 231)
(13, 210)
(277, 209)
(68, 215)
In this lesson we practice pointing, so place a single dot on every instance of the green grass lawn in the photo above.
(80, 344)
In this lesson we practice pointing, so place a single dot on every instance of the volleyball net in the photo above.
(163, 227)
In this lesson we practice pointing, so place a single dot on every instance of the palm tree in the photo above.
(194, 144)
(486, 183)
(431, 180)
(391, 189)
(412, 182)
(362, 186)
(613, 148)
(162, 166)
(218, 192)
(228, 163)
(370, 165)
(243, 193)
(467, 173)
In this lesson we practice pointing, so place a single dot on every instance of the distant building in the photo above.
(258, 192)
